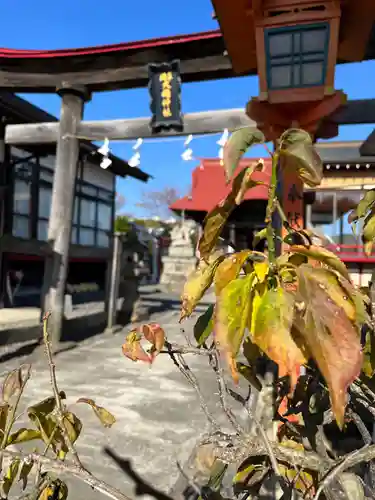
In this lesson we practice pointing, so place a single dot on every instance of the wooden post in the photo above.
(3, 177)
(60, 222)
(115, 281)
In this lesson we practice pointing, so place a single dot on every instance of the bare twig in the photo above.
(366, 453)
(184, 368)
(216, 365)
(69, 469)
(185, 349)
(55, 389)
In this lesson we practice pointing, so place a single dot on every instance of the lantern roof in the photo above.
(236, 19)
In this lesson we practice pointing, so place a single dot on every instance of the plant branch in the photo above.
(269, 211)
(178, 359)
(60, 467)
(216, 365)
(55, 389)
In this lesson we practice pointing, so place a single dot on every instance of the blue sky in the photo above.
(42, 24)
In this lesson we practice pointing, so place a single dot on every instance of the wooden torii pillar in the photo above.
(60, 222)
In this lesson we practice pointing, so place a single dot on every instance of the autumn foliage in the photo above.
(297, 309)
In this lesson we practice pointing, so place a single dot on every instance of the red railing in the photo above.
(352, 253)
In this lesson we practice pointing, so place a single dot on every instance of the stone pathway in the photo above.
(158, 416)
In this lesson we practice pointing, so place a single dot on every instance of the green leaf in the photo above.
(24, 472)
(204, 325)
(216, 218)
(10, 477)
(298, 153)
(46, 406)
(363, 207)
(237, 145)
(259, 236)
(368, 234)
(105, 417)
(23, 435)
(231, 319)
(251, 473)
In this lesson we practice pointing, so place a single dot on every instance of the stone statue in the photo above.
(181, 259)
(182, 234)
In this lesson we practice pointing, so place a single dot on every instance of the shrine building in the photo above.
(26, 179)
(347, 175)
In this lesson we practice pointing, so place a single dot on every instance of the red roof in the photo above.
(209, 186)
(104, 49)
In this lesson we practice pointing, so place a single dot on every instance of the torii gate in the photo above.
(202, 57)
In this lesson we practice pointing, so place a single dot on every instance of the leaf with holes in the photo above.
(323, 256)
(105, 417)
(232, 311)
(273, 332)
(154, 334)
(297, 152)
(132, 348)
(330, 337)
(217, 218)
(197, 284)
(204, 325)
(237, 145)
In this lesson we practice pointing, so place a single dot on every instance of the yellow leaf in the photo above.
(23, 435)
(273, 332)
(105, 417)
(250, 473)
(9, 477)
(57, 490)
(368, 234)
(196, 285)
(256, 297)
(232, 311)
(238, 143)
(324, 256)
(261, 270)
(230, 268)
(132, 348)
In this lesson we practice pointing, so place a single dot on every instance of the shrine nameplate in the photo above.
(165, 93)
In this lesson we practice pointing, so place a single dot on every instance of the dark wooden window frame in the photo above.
(101, 196)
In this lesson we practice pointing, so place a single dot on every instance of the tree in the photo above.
(157, 203)
(280, 312)
(120, 202)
